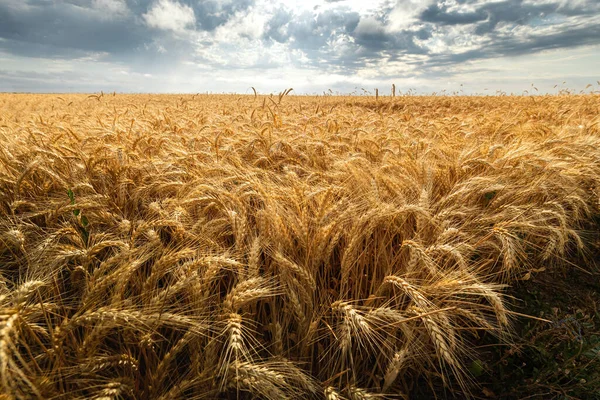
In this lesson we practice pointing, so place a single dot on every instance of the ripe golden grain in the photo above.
(168, 247)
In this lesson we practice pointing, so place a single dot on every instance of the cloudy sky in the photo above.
(313, 46)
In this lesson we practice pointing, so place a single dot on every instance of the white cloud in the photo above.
(311, 45)
(170, 16)
(361, 6)
(18, 5)
(405, 14)
(249, 24)
(369, 26)
(112, 7)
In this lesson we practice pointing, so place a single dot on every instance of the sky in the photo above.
(331, 46)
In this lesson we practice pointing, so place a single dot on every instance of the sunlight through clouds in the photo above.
(345, 43)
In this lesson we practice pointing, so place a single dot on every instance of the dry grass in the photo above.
(201, 246)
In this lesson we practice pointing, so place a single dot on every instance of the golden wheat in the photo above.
(311, 247)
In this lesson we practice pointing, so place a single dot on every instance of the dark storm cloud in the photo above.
(307, 31)
(577, 36)
(517, 46)
(572, 25)
(518, 12)
(372, 40)
(46, 29)
(211, 14)
(73, 28)
(515, 12)
(315, 35)
(366, 37)
(439, 14)
(277, 26)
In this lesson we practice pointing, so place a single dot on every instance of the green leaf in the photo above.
(84, 221)
(71, 196)
(76, 212)
(489, 196)
(476, 368)
(85, 235)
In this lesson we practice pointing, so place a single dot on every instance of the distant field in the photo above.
(180, 246)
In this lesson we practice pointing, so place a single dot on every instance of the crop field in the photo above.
(227, 246)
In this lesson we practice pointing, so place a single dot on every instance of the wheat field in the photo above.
(226, 246)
